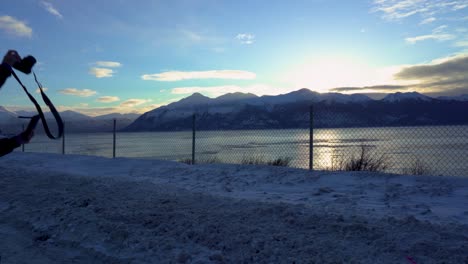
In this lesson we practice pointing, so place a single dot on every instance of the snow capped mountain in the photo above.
(194, 99)
(117, 116)
(296, 96)
(462, 98)
(247, 111)
(69, 115)
(399, 97)
(74, 121)
(235, 96)
(6, 115)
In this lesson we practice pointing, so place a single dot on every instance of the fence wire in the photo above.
(419, 150)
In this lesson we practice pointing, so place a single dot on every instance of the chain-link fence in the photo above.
(428, 150)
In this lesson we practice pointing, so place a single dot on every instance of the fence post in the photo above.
(22, 145)
(63, 139)
(311, 138)
(193, 140)
(113, 144)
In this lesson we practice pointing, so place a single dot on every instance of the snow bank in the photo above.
(82, 209)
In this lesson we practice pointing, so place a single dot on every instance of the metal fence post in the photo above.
(22, 145)
(311, 138)
(63, 140)
(113, 144)
(193, 140)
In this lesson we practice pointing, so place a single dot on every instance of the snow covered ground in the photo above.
(83, 209)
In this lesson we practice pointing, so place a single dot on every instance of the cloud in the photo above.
(108, 99)
(440, 76)
(15, 27)
(134, 102)
(379, 88)
(192, 36)
(216, 74)
(439, 37)
(428, 20)
(400, 9)
(246, 38)
(461, 43)
(258, 89)
(437, 34)
(101, 72)
(43, 88)
(451, 68)
(51, 9)
(77, 92)
(108, 64)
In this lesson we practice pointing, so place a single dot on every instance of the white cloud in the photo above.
(428, 20)
(101, 72)
(216, 74)
(108, 99)
(219, 49)
(439, 37)
(108, 64)
(258, 89)
(15, 27)
(192, 36)
(400, 9)
(462, 43)
(77, 92)
(43, 88)
(246, 38)
(437, 34)
(51, 9)
(134, 102)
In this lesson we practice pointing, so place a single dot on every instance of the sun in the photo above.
(326, 73)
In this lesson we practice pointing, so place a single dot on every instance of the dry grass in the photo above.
(282, 161)
(365, 160)
(417, 167)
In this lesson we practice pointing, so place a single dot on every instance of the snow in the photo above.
(398, 97)
(84, 209)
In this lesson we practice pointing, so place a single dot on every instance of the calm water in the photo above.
(438, 150)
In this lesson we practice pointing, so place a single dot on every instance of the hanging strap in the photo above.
(47, 101)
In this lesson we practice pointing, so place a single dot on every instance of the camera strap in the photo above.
(47, 101)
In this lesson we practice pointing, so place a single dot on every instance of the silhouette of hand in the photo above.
(24, 137)
(11, 57)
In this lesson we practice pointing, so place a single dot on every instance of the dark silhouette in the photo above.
(12, 59)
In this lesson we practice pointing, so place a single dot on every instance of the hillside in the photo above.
(292, 111)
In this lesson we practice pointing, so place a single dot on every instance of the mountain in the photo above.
(6, 115)
(235, 96)
(463, 98)
(69, 115)
(291, 110)
(400, 97)
(194, 99)
(74, 122)
(117, 116)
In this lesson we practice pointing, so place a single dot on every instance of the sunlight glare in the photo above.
(323, 74)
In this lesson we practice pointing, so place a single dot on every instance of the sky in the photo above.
(100, 57)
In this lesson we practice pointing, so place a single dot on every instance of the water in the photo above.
(439, 150)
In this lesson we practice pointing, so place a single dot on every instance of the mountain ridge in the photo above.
(291, 110)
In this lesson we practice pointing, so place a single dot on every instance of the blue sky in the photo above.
(105, 56)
